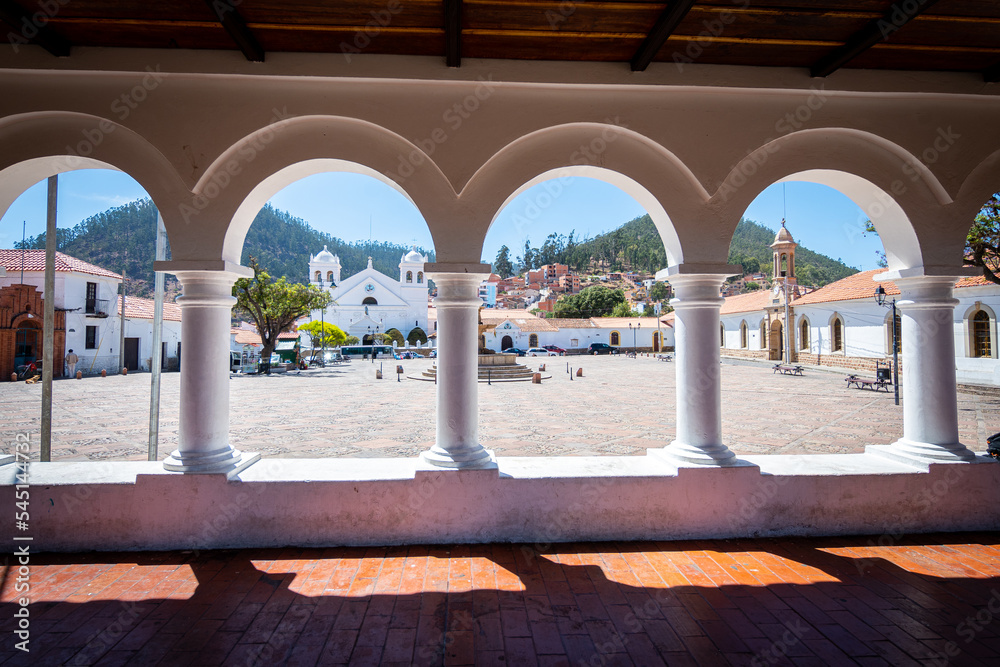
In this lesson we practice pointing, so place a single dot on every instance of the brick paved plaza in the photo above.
(620, 406)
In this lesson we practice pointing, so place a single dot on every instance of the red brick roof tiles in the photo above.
(34, 260)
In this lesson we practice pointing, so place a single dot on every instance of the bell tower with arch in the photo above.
(784, 255)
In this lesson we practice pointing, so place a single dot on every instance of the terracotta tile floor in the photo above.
(930, 599)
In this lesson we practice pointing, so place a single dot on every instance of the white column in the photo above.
(697, 303)
(457, 443)
(930, 396)
(206, 303)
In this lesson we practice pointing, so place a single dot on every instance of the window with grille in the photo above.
(982, 346)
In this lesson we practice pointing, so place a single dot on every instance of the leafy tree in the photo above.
(660, 291)
(750, 265)
(752, 286)
(352, 340)
(502, 266)
(870, 229)
(982, 245)
(274, 305)
(416, 336)
(394, 335)
(595, 301)
(649, 311)
(623, 309)
(528, 258)
(323, 334)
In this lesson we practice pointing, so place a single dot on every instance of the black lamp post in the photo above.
(634, 332)
(880, 300)
(322, 320)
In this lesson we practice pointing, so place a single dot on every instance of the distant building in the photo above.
(371, 302)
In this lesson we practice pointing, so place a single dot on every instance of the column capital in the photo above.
(697, 290)
(206, 288)
(926, 292)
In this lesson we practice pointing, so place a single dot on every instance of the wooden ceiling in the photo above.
(820, 35)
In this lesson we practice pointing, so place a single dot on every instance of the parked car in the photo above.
(555, 348)
(540, 352)
(513, 350)
(603, 348)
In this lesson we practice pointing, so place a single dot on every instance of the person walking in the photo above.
(71, 360)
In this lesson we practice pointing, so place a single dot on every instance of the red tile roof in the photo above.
(137, 308)
(862, 286)
(34, 260)
(746, 303)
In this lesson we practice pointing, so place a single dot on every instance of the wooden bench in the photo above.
(788, 370)
(867, 383)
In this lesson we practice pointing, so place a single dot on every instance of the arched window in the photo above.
(409, 276)
(763, 335)
(783, 267)
(615, 338)
(329, 277)
(744, 335)
(722, 335)
(420, 277)
(837, 335)
(804, 334)
(982, 344)
(318, 276)
(369, 301)
(533, 340)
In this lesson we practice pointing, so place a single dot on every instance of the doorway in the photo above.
(132, 354)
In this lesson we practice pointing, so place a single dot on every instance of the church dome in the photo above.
(325, 256)
(783, 235)
(414, 256)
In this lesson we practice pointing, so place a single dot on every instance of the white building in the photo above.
(88, 317)
(371, 302)
(521, 329)
(840, 324)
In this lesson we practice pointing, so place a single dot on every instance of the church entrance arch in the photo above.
(506, 342)
(775, 342)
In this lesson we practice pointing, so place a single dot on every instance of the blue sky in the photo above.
(819, 217)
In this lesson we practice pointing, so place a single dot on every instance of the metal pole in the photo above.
(789, 329)
(156, 356)
(121, 337)
(48, 324)
(895, 354)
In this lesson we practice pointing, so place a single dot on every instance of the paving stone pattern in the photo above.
(620, 406)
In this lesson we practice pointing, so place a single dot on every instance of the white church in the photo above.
(370, 302)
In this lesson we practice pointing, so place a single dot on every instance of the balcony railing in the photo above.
(97, 307)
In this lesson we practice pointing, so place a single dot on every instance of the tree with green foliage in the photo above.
(623, 309)
(394, 335)
(660, 291)
(416, 336)
(502, 266)
(323, 334)
(752, 286)
(982, 245)
(649, 310)
(528, 257)
(352, 340)
(274, 305)
(595, 301)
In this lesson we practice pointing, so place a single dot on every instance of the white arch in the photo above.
(270, 186)
(643, 197)
(902, 248)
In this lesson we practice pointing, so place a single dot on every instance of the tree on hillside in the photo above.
(274, 305)
(659, 291)
(502, 266)
(596, 301)
(982, 245)
(623, 309)
(528, 257)
(323, 334)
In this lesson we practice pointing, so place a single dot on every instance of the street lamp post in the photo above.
(322, 320)
(635, 330)
(880, 300)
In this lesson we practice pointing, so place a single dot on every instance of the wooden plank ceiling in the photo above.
(820, 35)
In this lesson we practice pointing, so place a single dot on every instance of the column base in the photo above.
(473, 457)
(226, 461)
(679, 453)
(921, 453)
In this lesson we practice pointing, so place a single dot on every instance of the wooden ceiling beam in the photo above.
(453, 33)
(28, 30)
(665, 25)
(234, 24)
(874, 32)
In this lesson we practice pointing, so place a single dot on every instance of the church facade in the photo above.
(841, 325)
(370, 302)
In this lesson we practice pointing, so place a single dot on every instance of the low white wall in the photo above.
(137, 506)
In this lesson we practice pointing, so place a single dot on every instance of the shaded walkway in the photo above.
(928, 599)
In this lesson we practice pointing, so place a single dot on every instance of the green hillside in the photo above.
(636, 246)
(281, 242)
